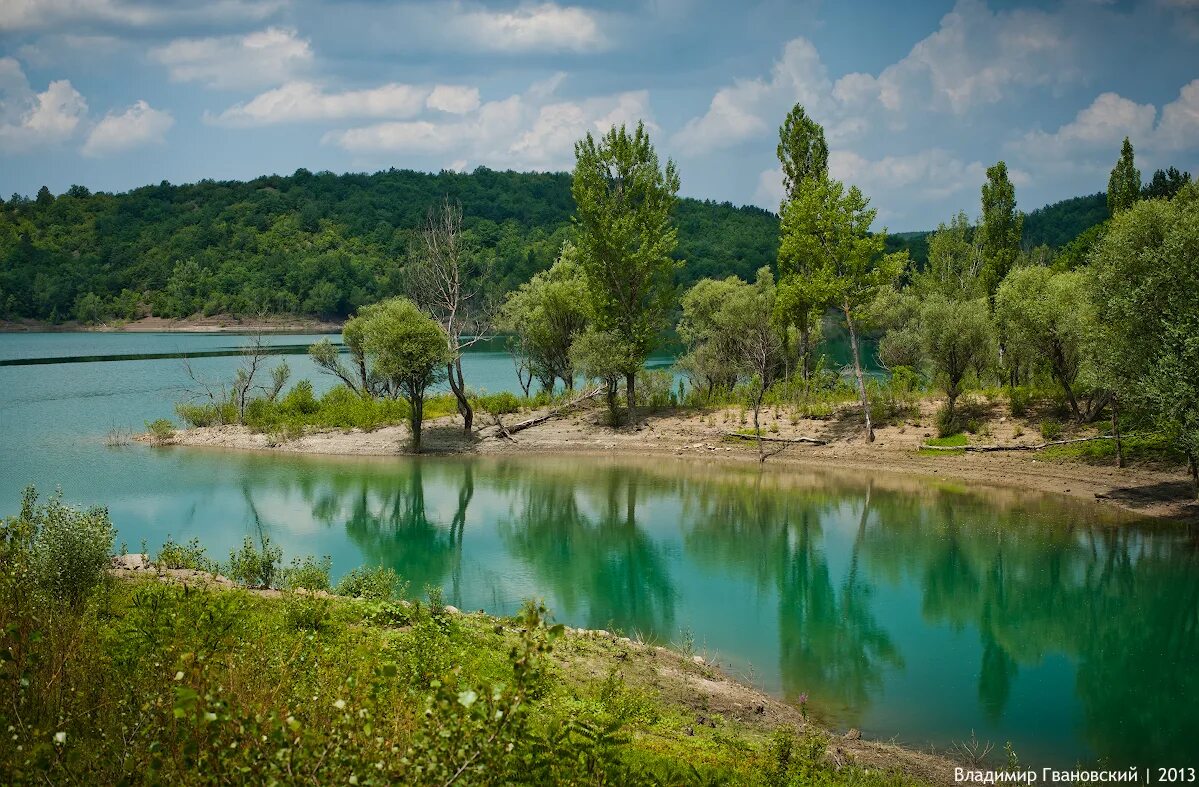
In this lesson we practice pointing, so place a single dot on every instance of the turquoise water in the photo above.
(905, 609)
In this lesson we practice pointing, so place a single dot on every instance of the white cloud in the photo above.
(528, 130)
(527, 28)
(41, 14)
(753, 107)
(138, 125)
(269, 56)
(305, 101)
(1102, 125)
(29, 119)
(455, 99)
(1179, 126)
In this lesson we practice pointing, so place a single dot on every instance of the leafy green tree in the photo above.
(1165, 184)
(44, 197)
(1124, 185)
(1001, 228)
(1049, 317)
(1147, 286)
(831, 227)
(956, 338)
(602, 355)
(802, 295)
(955, 260)
(546, 313)
(710, 360)
(624, 200)
(408, 349)
(758, 341)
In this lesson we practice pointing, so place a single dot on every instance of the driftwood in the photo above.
(1034, 447)
(765, 439)
(557, 411)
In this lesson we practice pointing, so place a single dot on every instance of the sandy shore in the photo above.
(215, 324)
(1149, 491)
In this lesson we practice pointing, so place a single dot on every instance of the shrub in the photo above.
(69, 548)
(1019, 398)
(1051, 429)
(300, 399)
(502, 403)
(654, 388)
(197, 415)
(305, 612)
(191, 555)
(308, 573)
(947, 425)
(161, 431)
(254, 567)
(373, 583)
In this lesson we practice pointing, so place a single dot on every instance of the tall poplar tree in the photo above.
(1001, 228)
(1124, 185)
(624, 199)
(831, 227)
(803, 154)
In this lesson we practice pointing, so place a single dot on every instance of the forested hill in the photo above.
(325, 244)
(315, 243)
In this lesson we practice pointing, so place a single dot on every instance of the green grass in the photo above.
(1146, 449)
(958, 440)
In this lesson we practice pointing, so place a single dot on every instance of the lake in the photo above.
(908, 609)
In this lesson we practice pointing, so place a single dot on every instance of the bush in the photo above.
(69, 549)
(503, 403)
(1019, 398)
(305, 612)
(308, 573)
(946, 425)
(300, 399)
(1051, 429)
(654, 388)
(373, 583)
(191, 555)
(254, 567)
(161, 431)
(197, 415)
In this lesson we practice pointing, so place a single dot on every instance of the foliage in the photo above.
(624, 199)
(192, 555)
(255, 566)
(802, 151)
(956, 338)
(1124, 185)
(1057, 224)
(373, 583)
(1001, 228)
(308, 573)
(161, 430)
(545, 314)
(1165, 184)
(63, 551)
(307, 242)
(601, 355)
(1146, 286)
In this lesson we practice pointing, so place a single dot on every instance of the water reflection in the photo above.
(900, 608)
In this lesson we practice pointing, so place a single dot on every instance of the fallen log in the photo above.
(553, 413)
(1033, 447)
(765, 439)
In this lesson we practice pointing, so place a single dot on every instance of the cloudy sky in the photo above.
(917, 98)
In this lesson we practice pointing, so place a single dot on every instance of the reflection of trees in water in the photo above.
(386, 516)
(1121, 602)
(603, 562)
(831, 645)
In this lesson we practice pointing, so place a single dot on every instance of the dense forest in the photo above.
(325, 244)
(314, 243)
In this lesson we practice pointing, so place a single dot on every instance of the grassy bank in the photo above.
(173, 675)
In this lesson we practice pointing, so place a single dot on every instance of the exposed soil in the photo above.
(1153, 491)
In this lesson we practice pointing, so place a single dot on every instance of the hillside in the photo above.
(314, 243)
(323, 244)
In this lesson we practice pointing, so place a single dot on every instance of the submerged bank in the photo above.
(1147, 489)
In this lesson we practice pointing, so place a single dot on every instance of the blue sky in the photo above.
(917, 98)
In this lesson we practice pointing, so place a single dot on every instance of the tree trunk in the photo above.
(857, 369)
(415, 418)
(630, 390)
(1116, 434)
(805, 334)
(612, 400)
(459, 388)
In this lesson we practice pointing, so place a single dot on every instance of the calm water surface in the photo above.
(905, 609)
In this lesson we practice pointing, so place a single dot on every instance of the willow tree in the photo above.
(801, 298)
(830, 226)
(1124, 185)
(626, 238)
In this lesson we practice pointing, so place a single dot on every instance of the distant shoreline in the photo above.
(218, 323)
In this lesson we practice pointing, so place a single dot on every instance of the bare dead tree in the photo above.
(447, 281)
(254, 361)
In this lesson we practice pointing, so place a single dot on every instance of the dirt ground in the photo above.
(1153, 491)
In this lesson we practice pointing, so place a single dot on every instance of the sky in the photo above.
(917, 98)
